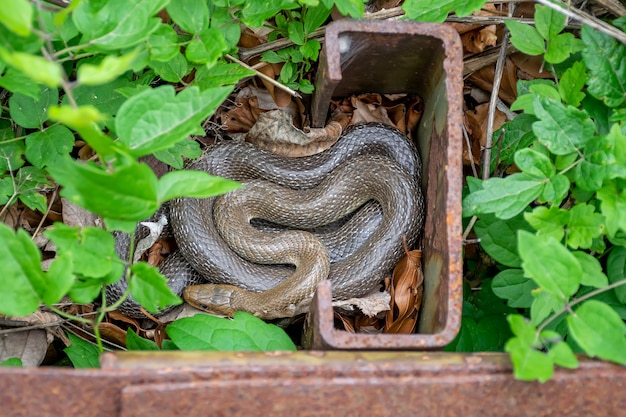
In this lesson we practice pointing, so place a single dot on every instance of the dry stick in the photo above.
(264, 77)
(612, 6)
(586, 19)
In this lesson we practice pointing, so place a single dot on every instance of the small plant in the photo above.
(556, 228)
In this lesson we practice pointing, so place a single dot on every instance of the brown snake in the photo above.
(372, 170)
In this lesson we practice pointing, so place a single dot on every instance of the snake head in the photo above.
(212, 298)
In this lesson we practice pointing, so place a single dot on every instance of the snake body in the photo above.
(373, 171)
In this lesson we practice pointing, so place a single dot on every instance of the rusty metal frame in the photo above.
(416, 58)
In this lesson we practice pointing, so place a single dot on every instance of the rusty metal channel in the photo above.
(383, 57)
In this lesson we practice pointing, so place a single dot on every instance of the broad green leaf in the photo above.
(106, 98)
(50, 146)
(32, 113)
(85, 291)
(127, 193)
(92, 248)
(17, 362)
(429, 10)
(314, 17)
(606, 60)
(543, 305)
(62, 31)
(220, 74)
(592, 270)
(562, 355)
(244, 332)
(296, 32)
(488, 303)
(599, 330)
(135, 342)
(206, 47)
(505, 197)
(561, 129)
(499, 238)
(513, 286)
(29, 181)
(174, 156)
(550, 264)
(11, 151)
(539, 88)
(584, 225)
(254, 13)
(548, 22)
(561, 47)
(466, 8)
(516, 134)
(196, 184)
(149, 288)
(613, 205)
(163, 43)
(525, 38)
(17, 16)
(352, 8)
(82, 353)
(534, 164)
(311, 50)
(22, 278)
(572, 82)
(529, 364)
(17, 82)
(555, 190)
(616, 270)
(156, 119)
(118, 24)
(191, 15)
(59, 279)
(35, 67)
(106, 71)
(523, 329)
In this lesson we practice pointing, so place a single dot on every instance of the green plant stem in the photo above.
(568, 306)
(263, 76)
(69, 316)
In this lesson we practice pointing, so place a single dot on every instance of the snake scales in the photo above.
(340, 214)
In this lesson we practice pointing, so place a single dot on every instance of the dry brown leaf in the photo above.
(477, 124)
(484, 79)
(477, 40)
(530, 66)
(406, 293)
(112, 333)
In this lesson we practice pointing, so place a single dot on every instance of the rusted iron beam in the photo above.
(309, 383)
(413, 58)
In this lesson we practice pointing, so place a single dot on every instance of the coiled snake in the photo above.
(341, 214)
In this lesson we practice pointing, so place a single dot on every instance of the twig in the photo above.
(483, 59)
(612, 6)
(263, 76)
(585, 18)
(469, 151)
(497, 79)
(45, 215)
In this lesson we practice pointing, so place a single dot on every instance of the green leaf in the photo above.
(516, 134)
(221, 74)
(606, 60)
(561, 47)
(11, 151)
(555, 190)
(191, 15)
(156, 119)
(429, 10)
(82, 353)
(17, 82)
(196, 184)
(352, 8)
(106, 98)
(244, 332)
(118, 24)
(525, 38)
(29, 181)
(543, 305)
(499, 238)
(505, 197)
(584, 225)
(539, 88)
(127, 193)
(135, 342)
(616, 270)
(59, 279)
(571, 84)
(85, 291)
(548, 22)
(592, 270)
(314, 17)
(35, 67)
(17, 16)
(529, 364)
(206, 47)
(599, 330)
(613, 205)
(149, 288)
(311, 50)
(534, 164)
(562, 355)
(50, 146)
(513, 286)
(550, 264)
(32, 113)
(523, 329)
(106, 71)
(174, 156)
(163, 43)
(22, 277)
(254, 13)
(561, 129)
(92, 249)
(173, 70)
(17, 362)
(295, 29)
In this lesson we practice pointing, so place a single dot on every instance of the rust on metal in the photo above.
(309, 383)
(414, 58)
